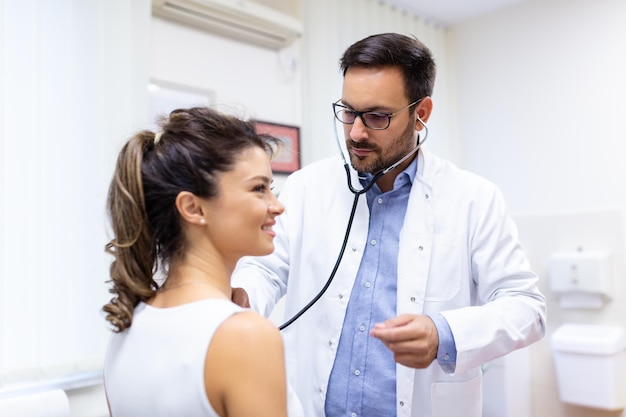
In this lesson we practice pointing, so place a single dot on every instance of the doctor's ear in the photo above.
(424, 109)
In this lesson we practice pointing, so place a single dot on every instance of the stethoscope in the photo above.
(357, 193)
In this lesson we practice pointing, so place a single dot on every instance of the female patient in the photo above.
(187, 204)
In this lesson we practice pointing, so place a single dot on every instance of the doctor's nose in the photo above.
(357, 131)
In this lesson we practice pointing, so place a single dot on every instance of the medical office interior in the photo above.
(529, 94)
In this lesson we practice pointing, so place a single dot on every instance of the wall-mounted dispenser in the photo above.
(581, 279)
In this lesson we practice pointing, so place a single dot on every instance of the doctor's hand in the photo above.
(239, 296)
(413, 339)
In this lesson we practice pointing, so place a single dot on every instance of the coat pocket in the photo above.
(457, 399)
(448, 266)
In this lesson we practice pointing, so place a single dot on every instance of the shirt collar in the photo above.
(406, 176)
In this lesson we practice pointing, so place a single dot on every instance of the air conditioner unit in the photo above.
(238, 19)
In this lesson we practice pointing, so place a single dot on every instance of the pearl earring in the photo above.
(202, 221)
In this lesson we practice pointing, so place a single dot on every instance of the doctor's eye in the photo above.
(375, 119)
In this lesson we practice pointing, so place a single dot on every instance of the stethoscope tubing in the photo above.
(357, 193)
(334, 271)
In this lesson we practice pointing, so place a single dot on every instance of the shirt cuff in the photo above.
(446, 353)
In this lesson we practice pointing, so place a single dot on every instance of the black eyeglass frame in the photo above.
(361, 114)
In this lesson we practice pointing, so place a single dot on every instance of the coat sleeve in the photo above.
(509, 311)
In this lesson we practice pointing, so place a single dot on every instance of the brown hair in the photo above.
(391, 49)
(195, 145)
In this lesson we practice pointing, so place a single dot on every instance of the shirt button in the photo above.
(401, 403)
(380, 201)
(368, 284)
(353, 415)
(446, 356)
(373, 242)
(341, 296)
(362, 328)
(421, 248)
(412, 299)
(357, 372)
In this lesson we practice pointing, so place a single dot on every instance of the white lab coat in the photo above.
(459, 255)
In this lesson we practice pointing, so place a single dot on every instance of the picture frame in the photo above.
(287, 158)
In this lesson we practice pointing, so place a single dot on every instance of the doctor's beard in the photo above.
(398, 148)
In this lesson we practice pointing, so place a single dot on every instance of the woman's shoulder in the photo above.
(248, 326)
(244, 368)
(246, 344)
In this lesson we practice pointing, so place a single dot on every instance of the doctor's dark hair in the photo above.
(195, 145)
(410, 55)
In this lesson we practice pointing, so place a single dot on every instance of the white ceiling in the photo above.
(450, 12)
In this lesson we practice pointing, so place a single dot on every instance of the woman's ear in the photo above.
(190, 207)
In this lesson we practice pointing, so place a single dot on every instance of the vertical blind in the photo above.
(73, 86)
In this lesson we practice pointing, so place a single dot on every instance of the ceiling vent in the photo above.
(237, 19)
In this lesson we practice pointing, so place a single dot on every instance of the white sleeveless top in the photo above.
(155, 368)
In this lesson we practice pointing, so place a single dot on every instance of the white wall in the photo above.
(247, 80)
(541, 92)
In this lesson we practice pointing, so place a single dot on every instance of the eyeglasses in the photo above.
(372, 119)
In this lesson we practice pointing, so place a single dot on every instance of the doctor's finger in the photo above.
(240, 297)
(393, 335)
(416, 354)
(421, 346)
(417, 328)
(414, 361)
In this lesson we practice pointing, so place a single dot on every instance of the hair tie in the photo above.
(157, 137)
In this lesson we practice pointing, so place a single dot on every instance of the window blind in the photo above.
(72, 76)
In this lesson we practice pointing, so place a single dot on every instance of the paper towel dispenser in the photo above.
(582, 279)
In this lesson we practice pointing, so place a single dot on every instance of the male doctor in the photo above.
(433, 282)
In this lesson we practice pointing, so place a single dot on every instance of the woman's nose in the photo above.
(276, 207)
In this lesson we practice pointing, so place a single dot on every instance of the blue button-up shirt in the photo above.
(363, 379)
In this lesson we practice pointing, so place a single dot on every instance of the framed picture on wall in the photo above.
(287, 159)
